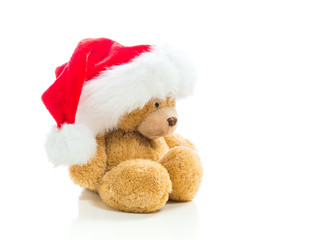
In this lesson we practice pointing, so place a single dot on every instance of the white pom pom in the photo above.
(70, 145)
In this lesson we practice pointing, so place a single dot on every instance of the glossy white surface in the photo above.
(262, 118)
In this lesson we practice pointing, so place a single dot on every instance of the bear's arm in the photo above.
(175, 140)
(89, 174)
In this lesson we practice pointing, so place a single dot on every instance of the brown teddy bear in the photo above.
(140, 165)
(115, 113)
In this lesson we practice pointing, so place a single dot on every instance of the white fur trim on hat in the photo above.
(160, 73)
(70, 145)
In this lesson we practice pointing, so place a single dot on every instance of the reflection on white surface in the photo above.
(96, 220)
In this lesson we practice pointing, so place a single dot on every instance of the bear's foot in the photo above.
(185, 170)
(139, 186)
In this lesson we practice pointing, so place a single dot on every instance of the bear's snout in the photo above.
(159, 123)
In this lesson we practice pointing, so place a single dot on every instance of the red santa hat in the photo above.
(102, 81)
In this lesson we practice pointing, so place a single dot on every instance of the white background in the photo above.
(262, 117)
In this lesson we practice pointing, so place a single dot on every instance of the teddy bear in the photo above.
(115, 111)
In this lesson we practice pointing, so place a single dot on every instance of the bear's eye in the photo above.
(156, 104)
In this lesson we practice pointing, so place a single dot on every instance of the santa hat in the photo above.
(102, 81)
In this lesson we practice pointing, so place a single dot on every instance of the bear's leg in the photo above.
(185, 170)
(136, 186)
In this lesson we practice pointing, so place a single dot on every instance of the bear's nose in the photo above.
(172, 121)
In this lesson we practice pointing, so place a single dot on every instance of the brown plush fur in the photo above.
(134, 173)
(136, 186)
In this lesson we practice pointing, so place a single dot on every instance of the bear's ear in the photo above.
(130, 121)
(70, 145)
